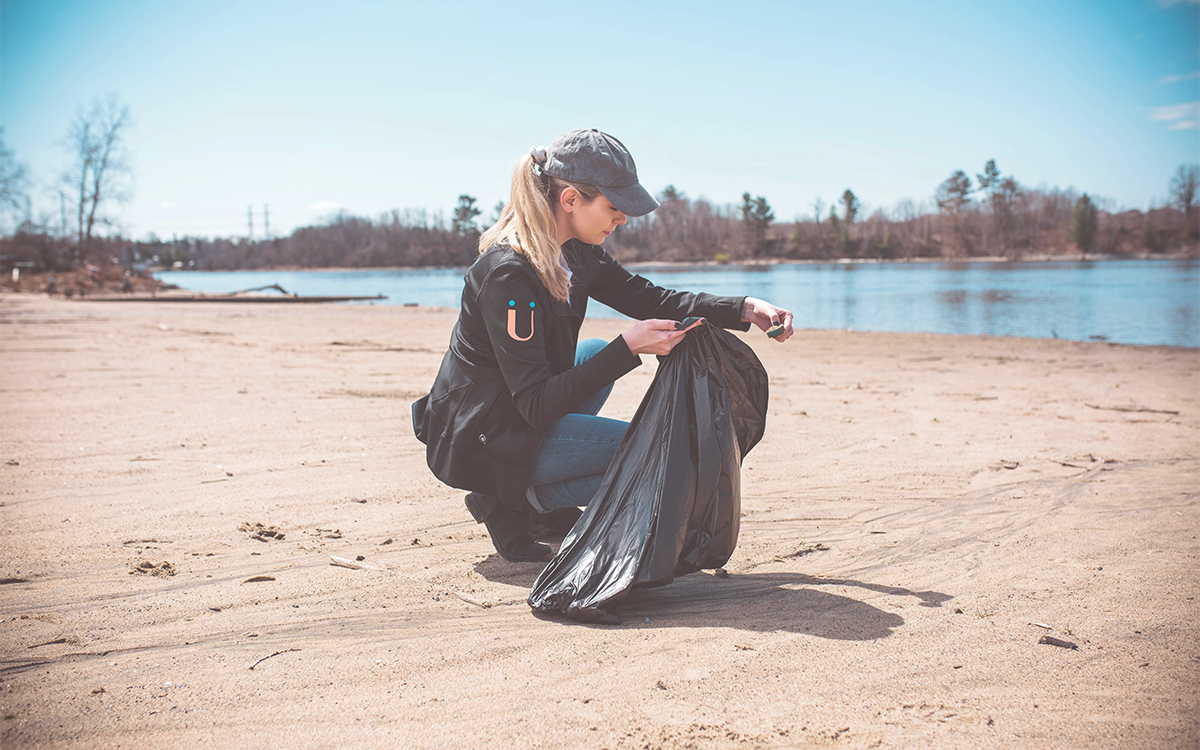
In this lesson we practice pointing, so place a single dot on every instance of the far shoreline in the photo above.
(1038, 258)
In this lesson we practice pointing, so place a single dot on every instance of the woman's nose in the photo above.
(622, 218)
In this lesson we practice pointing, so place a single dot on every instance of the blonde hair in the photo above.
(527, 223)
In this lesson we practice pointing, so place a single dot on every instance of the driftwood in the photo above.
(1134, 409)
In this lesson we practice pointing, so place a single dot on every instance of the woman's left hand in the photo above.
(764, 315)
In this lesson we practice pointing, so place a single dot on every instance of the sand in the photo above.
(922, 511)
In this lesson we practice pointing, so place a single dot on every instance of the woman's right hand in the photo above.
(655, 336)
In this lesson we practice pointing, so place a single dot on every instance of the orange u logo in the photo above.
(512, 320)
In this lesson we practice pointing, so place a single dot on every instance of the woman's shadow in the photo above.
(760, 602)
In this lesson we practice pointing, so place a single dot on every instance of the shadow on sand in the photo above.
(759, 602)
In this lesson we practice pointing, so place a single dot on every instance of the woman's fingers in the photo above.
(767, 316)
(655, 336)
(785, 320)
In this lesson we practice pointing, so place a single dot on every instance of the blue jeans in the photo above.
(576, 450)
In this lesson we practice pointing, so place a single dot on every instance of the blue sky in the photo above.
(311, 107)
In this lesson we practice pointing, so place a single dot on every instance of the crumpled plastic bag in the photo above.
(670, 502)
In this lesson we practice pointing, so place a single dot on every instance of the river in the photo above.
(1148, 302)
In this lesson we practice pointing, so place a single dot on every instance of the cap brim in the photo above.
(632, 200)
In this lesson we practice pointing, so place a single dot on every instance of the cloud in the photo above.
(170, 204)
(1177, 79)
(1185, 116)
(324, 206)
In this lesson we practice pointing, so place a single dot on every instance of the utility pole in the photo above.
(249, 223)
(266, 221)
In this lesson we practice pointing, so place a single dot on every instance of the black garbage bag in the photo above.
(670, 502)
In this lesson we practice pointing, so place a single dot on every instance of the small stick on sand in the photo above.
(1133, 409)
(472, 600)
(277, 653)
(342, 562)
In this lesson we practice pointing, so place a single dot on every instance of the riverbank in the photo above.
(1190, 254)
(923, 511)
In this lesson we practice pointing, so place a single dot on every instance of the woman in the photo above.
(511, 415)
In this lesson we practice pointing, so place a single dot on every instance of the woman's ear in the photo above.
(569, 199)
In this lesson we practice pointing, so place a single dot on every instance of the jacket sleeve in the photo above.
(517, 327)
(636, 297)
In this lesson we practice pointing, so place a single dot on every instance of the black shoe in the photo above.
(553, 526)
(509, 529)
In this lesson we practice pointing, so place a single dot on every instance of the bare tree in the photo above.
(14, 184)
(1183, 192)
(100, 170)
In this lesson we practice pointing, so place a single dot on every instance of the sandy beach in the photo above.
(923, 511)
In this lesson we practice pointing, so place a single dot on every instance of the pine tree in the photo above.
(1084, 222)
(756, 218)
(464, 215)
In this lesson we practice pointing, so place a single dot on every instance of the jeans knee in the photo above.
(588, 348)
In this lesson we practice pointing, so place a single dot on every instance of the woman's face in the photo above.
(590, 222)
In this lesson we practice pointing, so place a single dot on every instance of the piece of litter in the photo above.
(1041, 625)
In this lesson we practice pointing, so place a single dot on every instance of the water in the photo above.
(1121, 301)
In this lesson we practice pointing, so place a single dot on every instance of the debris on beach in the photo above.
(472, 600)
(805, 548)
(259, 579)
(55, 642)
(343, 562)
(161, 570)
(1050, 640)
(268, 656)
(145, 543)
(261, 532)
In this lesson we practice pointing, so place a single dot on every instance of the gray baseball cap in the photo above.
(590, 157)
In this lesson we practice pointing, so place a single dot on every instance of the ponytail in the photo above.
(527, 223)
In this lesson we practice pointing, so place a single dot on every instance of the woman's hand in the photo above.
(655, 336)
(764, 315)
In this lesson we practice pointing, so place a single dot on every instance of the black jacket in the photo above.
(510, 370)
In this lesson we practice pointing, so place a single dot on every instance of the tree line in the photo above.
(989, 214)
